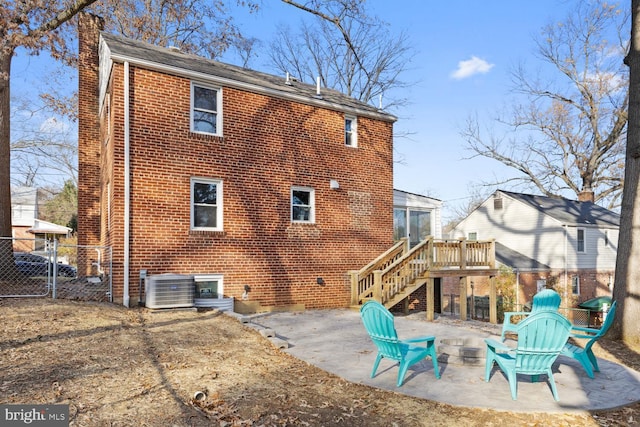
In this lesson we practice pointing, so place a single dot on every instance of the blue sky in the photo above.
(464, 53)
(464, 50)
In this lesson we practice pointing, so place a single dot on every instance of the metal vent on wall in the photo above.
(497, 203)
(169, 291)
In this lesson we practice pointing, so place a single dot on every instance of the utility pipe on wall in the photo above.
(127, 185)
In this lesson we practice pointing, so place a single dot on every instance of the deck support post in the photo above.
(493, 308)
(354, 287)
(377, 286)
(463, 298)
(430, 295)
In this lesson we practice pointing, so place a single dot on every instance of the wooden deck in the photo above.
(394, 275)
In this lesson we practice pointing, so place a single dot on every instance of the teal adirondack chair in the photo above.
(545, 300)
(585, 355)
(378, 322)
(541, 337)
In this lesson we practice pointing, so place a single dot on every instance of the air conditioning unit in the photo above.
(169, 291)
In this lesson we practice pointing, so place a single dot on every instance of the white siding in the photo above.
(597, 254)
(538, 236)
(518, 227)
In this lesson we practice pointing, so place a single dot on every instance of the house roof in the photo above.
(515, 259)
(412, 200)
(174, 61)
(568, 212)
(45, 227)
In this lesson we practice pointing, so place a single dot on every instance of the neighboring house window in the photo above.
(575, 285)
(541, 284)
(606, 238)
(206, 106)
(208, 286)
(497, 203)
(302, 204)
(580, 241)
(472, 236)
(206, 204)
(350, 131)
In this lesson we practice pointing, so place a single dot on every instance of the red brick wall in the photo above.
(268, 146)
(88, 133)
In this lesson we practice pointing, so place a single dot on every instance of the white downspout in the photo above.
(127, 185)
(566, 254)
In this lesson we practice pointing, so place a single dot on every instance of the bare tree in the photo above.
(626, 290)
(34, 26)
(43, 146)
(349, 50)
(202, 27)
(569, 133)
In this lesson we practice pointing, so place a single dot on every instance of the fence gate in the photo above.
(45, 268)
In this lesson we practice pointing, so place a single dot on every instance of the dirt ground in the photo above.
(133, 367)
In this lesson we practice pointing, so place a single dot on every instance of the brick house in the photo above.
(271, 188)
(568, 245)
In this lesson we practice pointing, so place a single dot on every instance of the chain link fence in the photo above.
(44, 268)
(479, 310)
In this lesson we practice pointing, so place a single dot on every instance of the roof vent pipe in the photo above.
(380, 102)
(288, 80)
(318, 86)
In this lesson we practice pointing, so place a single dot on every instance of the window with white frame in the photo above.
(472, 235)
(575, 285)
(580, 247)
(302, 204)
(350, 131)
(206, 204)
(209, 286)
(206, 109)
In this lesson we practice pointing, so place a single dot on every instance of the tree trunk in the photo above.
(5, 144)
(627, 282)
(6, 244)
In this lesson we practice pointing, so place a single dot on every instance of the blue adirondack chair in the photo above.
(545, 300)
(585, 355)
(378, 322)
(541, 337)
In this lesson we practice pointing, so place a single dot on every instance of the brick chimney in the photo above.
(89, 27)
(586, 195)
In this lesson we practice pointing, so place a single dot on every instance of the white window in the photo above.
(302, 204)
(472, 235)
(575, 285)
(206, 204)
(350, 131)
(580, 241)
(209, 286)
(206, 110)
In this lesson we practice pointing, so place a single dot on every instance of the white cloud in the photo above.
(53, 125)
(471, 67)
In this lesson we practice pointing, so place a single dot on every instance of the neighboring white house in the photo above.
(566, 244)
(25, 223)
(416, 216)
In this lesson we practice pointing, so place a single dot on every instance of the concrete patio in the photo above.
(336, 341)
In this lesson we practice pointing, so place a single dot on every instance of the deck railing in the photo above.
(398, 268)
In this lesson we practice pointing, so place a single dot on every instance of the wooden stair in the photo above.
(394, 275)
